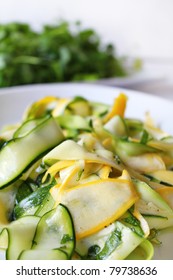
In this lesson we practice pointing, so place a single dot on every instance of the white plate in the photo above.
(14, 100)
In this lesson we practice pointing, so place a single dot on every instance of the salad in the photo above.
(79, 180)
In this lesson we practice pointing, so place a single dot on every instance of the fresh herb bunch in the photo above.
(54, 54)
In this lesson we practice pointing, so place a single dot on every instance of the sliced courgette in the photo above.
(79, 106)
(99, 109)
(18, 154)
(114, 242)
(116, 126)
(70, 150)
(21, 234)
(55, 254)
(55, 230)
(7, 202)
(134, 127)
(89, 208)
(129, 148)
(153, 207)
(164, 177)
(4, 239)
(74, 122)
(144, 251)
(46, 205)
(167, 194)
(28, 126)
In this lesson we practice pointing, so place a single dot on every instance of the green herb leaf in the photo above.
(57, 53)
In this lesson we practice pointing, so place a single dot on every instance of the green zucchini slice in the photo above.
(18, 154)
(43, 255)
(55, 230)
(21, 234)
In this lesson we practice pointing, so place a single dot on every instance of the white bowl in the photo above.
(14, 100)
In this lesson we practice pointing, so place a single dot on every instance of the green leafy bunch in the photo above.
(56, 53)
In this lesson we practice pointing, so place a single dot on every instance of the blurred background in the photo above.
(113, 42)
